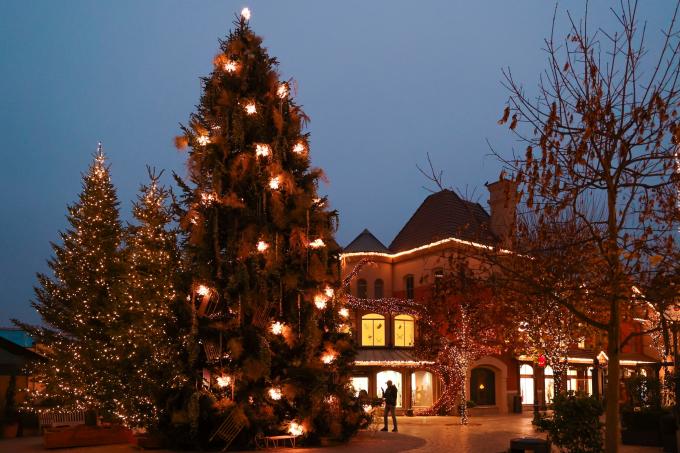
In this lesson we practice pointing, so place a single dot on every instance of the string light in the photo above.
(251, 109)
(203, 290)
(276, 328)
(245, 13)
(320, 301)
(299, 148)
(317, 243)
(329, 357)
(230, 66)
(262, 150)
(275, 393)
(344, 312)
(207, 198)
(295, 429)
(203, 140)
(329, 292)
(262, 246)
(274, 183)
(224, 381)
(282, 91)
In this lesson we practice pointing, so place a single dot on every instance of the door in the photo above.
(483, 387)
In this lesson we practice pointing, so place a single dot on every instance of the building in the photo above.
(16, 351)
(409, 266)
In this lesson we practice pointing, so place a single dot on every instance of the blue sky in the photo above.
(385, 82)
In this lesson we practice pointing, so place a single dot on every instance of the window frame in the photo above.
(410, 320)
(362, 284)
(409, 286)
(378, 283)
(377, 317)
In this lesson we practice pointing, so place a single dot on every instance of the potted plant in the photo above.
(10, 421)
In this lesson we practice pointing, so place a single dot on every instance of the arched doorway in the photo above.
(483, 387)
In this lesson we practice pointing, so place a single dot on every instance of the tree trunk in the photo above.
(613, 380)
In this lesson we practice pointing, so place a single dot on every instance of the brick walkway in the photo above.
(488, 434)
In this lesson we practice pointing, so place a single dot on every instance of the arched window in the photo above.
(381, 381)
(373, 330)
(438, 277)
(359, 383)
(408, 285)
(403, 331)
(526, 383)
(362, 289)
(378, 287)
(422, 389)
(549, 392)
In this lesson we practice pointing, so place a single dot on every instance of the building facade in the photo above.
(409, 267)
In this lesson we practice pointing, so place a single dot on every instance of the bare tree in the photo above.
(601, 138)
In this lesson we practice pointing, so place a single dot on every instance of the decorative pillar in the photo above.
(595, 379)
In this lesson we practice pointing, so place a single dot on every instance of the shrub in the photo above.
(575, 424)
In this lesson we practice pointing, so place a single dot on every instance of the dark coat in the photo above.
(390, 395)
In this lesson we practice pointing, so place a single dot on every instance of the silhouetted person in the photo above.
(390, 397)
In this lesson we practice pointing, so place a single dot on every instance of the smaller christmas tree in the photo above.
(150, 342)
(78, 304)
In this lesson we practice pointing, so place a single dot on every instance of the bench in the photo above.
(50, 419)
(274, 441)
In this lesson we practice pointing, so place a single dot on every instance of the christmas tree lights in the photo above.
(262, 246)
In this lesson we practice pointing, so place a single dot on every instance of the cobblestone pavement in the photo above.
(487, 434)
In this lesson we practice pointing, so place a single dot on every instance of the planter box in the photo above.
(9, 430)
(86, 436)
(647, 438)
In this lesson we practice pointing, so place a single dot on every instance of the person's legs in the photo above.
(387, 410)
(394, 418)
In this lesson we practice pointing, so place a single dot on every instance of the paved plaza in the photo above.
(487, 434)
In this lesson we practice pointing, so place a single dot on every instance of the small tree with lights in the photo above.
(467, 325)
(258, 242)
(78, 305)
(151, 343)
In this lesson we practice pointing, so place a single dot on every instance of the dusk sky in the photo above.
(384, 82)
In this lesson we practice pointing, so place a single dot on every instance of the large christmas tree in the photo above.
(259, 246)
(78, 304)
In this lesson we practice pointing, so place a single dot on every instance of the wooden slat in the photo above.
(228, 430)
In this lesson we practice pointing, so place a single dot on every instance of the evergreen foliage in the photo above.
(78, 304)
(575, 424)
(258, 243)
(152, 346)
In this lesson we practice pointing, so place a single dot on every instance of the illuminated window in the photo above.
(422, 389)
(572, 379)
(549, 392)
(580, 380)
(378, 287)
(403, 331)
(362, 289)
(373, 330)
(359, 383)
(582, 343)
(526, 383)
(382, 379)
(408, 284)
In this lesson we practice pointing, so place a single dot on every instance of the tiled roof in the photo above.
(365, 242)
(443, 215)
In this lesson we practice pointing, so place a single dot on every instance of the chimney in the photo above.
(503, 206)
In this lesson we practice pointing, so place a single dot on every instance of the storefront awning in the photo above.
(388, 357)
